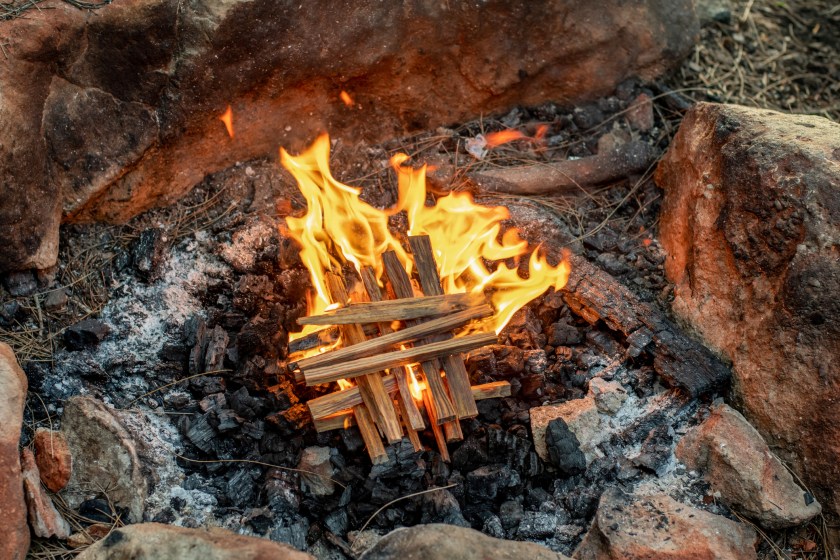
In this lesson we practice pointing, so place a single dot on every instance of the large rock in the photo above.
(105, 458)
(751, 223)
(15, 542)
(448, 542)
(107, 113)
(739, 465)
(151, 541)
(647, 527)
(44, 519)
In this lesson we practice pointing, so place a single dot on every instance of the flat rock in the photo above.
(319, 471)
(582, 419)
(448, 542)
(751, 225)
(105, 457)
(609, 395)
(736, 461)
(44, 519)
(153, 541)
(106, 136)
(52, 455)
(13, 385)
(649, 527)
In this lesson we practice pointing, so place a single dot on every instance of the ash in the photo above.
(191, 349)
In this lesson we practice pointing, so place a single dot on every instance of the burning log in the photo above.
(680, 360)
(395, 310)
(371, 364)
(453, 365)
(395, 339)
(371, 387)
(568, 176)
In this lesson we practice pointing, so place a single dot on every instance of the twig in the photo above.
(392, 502)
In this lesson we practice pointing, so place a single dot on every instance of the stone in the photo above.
(52, 455)
(105, 457)
(608, 395)
(317, 479)
(640, 113)
(447, 542)
(44, 519)
(751, 224)
(13, 385)
(129, 118)
(645, 527)
(580, 417)
(150, 541)
(737, 463)
(85, 334)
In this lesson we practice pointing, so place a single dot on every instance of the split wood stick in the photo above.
(413, 436)
(394, 310)
(372, 389)
(344, 418)
(440, 439)
(322, 337)
(393, 339)
(370, 435)
(452, 431)
(370, 364)
(321, 407)
(408, 407)
(456, 372)
(401, 284)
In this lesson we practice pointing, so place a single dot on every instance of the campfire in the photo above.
(472, 276)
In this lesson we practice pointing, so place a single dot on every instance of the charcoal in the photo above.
(85, 334)
(509, 360)
(536, 361)
(564, 448)
(612, 264)
(259, 519)
(149, 251)
(241, 486)
(165, 516)
(536, 525)
(100, 510)
(493, 526)
(587, 117)
(176, 400)
(20, 283)
(536, 496)
(510, 513)
(207, 385)
(292, 532)
(282, 495)
(337, 521)
(481, 363)
(352, 440)
(173, 352)
(532, 386)
(10, 313)
(214, 355)
(254, 429)
(245, 405)
(602, 341)
(442, 507)
(56, 300)
(655, 450)
(82, 365)
(563, 334)
(471, 454)
(488, 482)
(214, 402)
(251, 292)
(201, 433)
(227, 420)
(489, 410)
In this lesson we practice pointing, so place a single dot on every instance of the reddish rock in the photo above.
(740, 467)
(44, 519)
(640, 113)
(654, 527)
(53, 458)
(105, 115)
(751, 224)
(15, 541)
(152, 541)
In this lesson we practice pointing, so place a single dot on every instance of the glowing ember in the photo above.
(470, 246)
(227, 118)
(345, 97)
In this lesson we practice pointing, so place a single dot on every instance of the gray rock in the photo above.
(154, 541)
(319, 471)
(735, 460)
(446, 542)
(105, 459)
(581, 417)
(609, 395)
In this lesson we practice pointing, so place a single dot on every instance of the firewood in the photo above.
(395, 310)
(322, 337)
(373, 392)
(364, 366)
(344, 418)
(410, 430)
(435, 422)
(407, 406)
(395, 339)
(569, 176)
(456, 372)
(682, 361)
(401, 284)
(370, 435)
(323, 406)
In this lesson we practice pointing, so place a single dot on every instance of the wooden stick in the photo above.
(413, 436)
(426, 353)
(373, 392)
(344, 418)
(394, 339)
(326, 405)
(452, 431)
(456, 372)
(394, 310)
(321, 337)
(436, 429)
(370, 435)
(408, 407)
(401, 284)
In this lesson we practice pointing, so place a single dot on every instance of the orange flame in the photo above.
(339, 227)
(227, 118)
(494, 139)
(345, 97)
